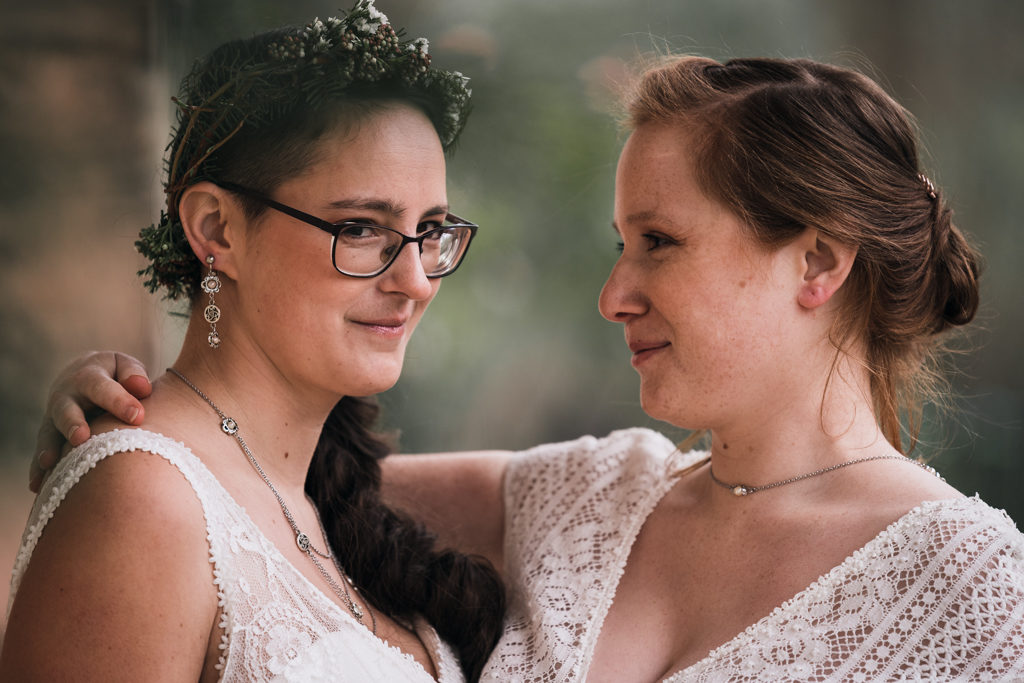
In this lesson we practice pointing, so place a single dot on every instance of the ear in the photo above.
(213, 222)
(826, 265)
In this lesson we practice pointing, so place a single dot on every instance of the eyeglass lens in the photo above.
(367, 249)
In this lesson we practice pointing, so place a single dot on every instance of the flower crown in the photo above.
(238, 87)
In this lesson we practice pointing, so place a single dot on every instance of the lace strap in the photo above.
(559, 498)
(80, 461)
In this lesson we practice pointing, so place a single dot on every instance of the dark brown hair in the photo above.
(390, 557)
(792, 143)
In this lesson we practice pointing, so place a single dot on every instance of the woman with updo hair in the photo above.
(787, 271)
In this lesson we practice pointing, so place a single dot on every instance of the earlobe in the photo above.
(207, 216)
(826, 265)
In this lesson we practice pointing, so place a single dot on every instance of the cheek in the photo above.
(421, 306)
(290, 261)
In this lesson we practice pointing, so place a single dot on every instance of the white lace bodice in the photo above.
(938, 595)
(277, 625)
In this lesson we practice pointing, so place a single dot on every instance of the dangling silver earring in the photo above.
(211, 285)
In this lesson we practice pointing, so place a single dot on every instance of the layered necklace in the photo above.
(230, 427)
(747, 489)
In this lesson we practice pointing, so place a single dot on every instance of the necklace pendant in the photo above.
(302, 540)
(357, 611)
(229, 426)
(740, 490)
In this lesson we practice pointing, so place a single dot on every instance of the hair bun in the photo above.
(957, 267)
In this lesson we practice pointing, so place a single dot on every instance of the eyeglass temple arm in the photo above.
(302, 215)
(283, 208)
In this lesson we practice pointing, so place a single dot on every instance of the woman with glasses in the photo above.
(786, 271)
(213, 545)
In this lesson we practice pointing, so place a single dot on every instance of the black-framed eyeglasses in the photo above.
(360, 249)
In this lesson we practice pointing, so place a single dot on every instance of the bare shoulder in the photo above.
(120, 577)
(900, 486)
(864, 502)
(456, 495)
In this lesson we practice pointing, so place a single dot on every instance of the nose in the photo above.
(620, 297)
(406, 275)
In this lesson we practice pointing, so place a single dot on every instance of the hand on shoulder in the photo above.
(94, 383)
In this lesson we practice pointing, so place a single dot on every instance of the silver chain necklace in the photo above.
(746, 489)
(230, 427)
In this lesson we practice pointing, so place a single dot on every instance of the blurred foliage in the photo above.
(513, 352)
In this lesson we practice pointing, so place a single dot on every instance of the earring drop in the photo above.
(211, 285)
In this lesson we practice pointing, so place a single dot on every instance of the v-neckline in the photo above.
(330, 606)
(785, 609)
(674, 467)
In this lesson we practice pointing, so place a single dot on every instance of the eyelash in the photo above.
(425, 226)
(654, 241)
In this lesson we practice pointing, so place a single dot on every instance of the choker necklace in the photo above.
(230, 427)
(746, 490)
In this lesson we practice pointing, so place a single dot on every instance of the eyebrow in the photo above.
(644, 217)
(384, 206)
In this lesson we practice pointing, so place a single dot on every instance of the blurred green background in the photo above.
(513, 351)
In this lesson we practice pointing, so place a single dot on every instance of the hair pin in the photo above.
(928, 186)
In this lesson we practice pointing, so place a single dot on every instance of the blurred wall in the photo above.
(513, 352)
(80, 158)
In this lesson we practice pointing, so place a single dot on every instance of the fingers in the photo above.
(67, 418)
(95, 386)
(48, 447)
(96, 382)
(35, 476)
(51, 447)
(132, 375)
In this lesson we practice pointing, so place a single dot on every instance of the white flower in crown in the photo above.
(321, 45)
(375, 13)
(368, 28)
(421, 45)
(314, 29)
(375, 18)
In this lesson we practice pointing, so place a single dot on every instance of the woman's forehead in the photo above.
(393, 158)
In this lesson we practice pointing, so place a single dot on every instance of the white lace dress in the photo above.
(938, 595)
(277, 625)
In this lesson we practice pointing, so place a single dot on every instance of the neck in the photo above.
(828, 423)
(279, 421)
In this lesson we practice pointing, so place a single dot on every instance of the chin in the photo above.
(378, 380)
(652, 405)
(665, 409)
(368, 382)
(370, 386)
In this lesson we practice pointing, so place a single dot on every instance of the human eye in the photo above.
(436, 228)
(652, 241)
(359, 233)
(656, 240)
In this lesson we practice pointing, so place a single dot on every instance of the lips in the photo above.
(384, 322)
(645, 349)
(385, 327)
(641, 346)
